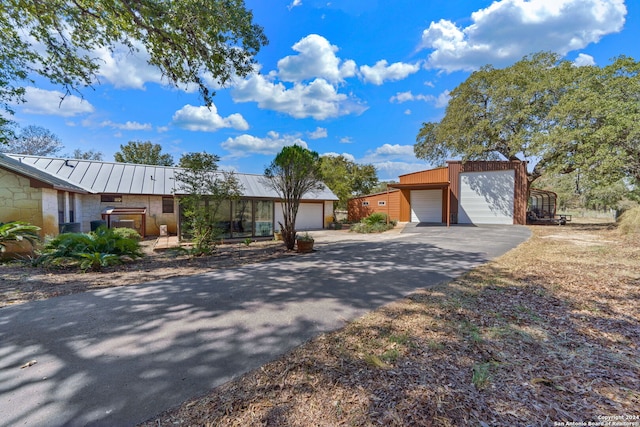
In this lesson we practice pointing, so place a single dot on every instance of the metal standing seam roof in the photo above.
(127, 178)
(29, 171)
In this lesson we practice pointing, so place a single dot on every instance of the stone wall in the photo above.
(18, 201)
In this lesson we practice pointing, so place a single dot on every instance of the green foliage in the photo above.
(18, 231)
(347, 179)
(374, 223)
(185, 40)
(127, 233)
(294, 172)
(565, 118)
(144, 153)
(206, 191)
(92, 250)
(247, 241)
(35, 141)
(375, 218)
(96, 260)
(306, 237)
(629, 221)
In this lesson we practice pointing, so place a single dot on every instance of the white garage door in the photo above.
(310, 216)
(426, 206)
(486, 197)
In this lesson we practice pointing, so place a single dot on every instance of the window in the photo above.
(365, 203)
(167, 205)
(111, 198)
(382, 203)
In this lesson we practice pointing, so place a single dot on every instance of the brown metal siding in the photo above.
(357, 211)
(520, 191)
(438, 175)
(405, 205)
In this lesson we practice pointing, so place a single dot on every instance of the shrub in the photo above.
(374, 223)
(18, 231)
(629, 221)
(375, 218)
(100, 248)
(128, 233)
(362, 227)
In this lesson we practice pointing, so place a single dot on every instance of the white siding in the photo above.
(426, 206)
(486, 197)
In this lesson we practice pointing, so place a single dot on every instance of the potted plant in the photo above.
(305, 243)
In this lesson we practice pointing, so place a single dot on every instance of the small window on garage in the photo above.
(111, 198)
(382, 202)
(167, 205)
(365, 203)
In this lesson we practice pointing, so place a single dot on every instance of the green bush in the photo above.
(375, 218)
(18, 231)
(363, 227)
(629, 221)
(128, 233)
(100, 248)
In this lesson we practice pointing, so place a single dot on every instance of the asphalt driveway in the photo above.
(122, 355)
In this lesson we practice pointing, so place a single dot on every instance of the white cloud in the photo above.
(407, 112)
(584, 60)
(382, 72)
(318, 133)
(295, 3)
(318, 99)
(316, 59)
(55, 103)
(126, 126)
(207, 119)
(391, 170)
(507, 30)
(439, 101)
(245, 145)
(393, 160)
(346, 140)
(389, 151)
(125, 69)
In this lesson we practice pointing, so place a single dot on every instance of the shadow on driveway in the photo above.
(120, 356)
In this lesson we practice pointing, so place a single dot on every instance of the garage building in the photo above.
(473, 192)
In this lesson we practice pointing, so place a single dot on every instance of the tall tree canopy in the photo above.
(186, 40)
(35, 141)
(347, 179)
(294, 172)
(144, 153)
(560, 117)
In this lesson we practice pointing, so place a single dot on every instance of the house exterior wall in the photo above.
(21, 202)
(520, 190)
(91, 210)
(357, 211)
(49, 212)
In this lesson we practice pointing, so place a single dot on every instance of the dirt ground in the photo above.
(21, 283)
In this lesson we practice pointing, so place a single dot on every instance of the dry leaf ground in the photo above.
(547, 334)
(21, 283)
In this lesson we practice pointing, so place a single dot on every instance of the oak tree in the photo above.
(188, 41)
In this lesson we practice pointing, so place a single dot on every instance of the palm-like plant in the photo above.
(18, 231)
(100, 248)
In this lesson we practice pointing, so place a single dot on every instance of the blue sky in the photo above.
(351, 77)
